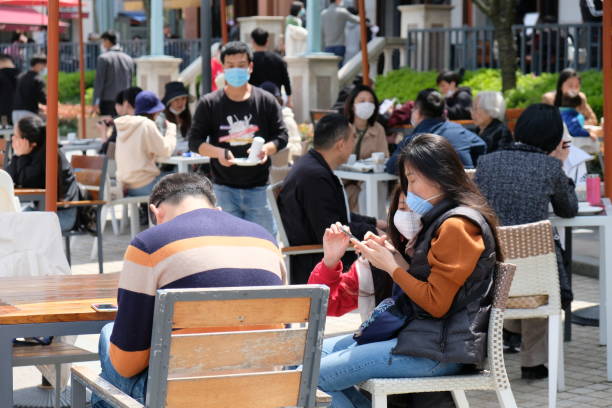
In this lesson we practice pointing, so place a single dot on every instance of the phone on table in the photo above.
(104, 307)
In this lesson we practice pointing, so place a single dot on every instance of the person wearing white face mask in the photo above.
(442, 271)
(176, 100)
(361, 109)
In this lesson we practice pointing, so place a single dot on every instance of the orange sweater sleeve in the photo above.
(453, 255)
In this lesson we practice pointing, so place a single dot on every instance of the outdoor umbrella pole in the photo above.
(607, 113)
(52, 85)
(364, 44)
(82, 70)
(224, 35)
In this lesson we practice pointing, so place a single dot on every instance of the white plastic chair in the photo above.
(493, 378)
(8, 201)
(532, 249)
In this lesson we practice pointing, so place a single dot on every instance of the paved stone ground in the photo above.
(586, 384)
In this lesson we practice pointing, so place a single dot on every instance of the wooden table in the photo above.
(58, 305)
(32, 194)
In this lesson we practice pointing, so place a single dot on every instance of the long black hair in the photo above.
(184, 117)
(350, 101)
(436, 159)
(564, 75)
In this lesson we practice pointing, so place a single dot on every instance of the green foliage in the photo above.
(404, 84)
(69, 86)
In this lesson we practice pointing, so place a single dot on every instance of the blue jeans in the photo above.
(145, 190)
(337, 50)
(135, 387)
(345, 364)
(250, 204)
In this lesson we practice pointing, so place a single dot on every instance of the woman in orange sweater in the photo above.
(441, 254)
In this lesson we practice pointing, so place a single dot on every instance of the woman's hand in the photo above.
(561, 152)
(378, 255)
(335, 243)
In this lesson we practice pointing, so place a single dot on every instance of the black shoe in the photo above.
(512, 342)
(534, 373)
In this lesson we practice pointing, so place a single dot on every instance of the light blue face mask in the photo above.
(419, 205)
(236, 77)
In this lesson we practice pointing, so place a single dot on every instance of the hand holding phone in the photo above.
(104, 307)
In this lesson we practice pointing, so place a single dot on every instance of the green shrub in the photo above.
(69, 86)
(404, 84)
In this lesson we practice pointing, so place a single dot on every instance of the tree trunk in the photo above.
(507, 55)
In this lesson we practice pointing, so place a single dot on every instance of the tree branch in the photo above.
(484, 6)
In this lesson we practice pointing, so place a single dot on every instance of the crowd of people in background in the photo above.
(411, 256)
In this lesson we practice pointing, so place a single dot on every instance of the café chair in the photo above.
(247, 350)
(493, 377)
(8, 201)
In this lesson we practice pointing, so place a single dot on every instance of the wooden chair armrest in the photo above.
(80, 203)
(103, 388)
(322, 399)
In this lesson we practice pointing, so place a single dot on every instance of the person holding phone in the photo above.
(440, 253)
(520, 181)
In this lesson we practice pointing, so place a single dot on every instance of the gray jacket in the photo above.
(114, 72)
(333, 21)
(521, 180)
(461, 335)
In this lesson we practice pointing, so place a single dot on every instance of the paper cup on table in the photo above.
(71, 136)
(352, 159)
(378, 157)
(256, 147)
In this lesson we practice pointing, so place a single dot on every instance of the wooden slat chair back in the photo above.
(245, 354)
(493, 377)
(535, 291)
(512, 115)
(88, 173)
(2, 152)
(317, 114)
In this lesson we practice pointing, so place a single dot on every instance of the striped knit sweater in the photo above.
(199, 249)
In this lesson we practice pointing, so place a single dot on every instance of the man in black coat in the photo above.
(8, 80)
(312, 197)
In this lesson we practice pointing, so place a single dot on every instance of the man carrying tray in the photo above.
(224, 126)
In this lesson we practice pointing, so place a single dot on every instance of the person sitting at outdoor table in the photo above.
(428, 117)
(140, 145)
(27, 167)
(361, 109)
(520, 182)
(176, 99)
(312, 197)
(448, 232)
(488, 114)
(575, 120)
(124, 105)
(193, 245)
(569, 84)
(458, 100)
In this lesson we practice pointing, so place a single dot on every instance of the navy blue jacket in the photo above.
(575, 126)
(467, 144)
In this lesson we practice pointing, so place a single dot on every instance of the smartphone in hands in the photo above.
(104, 307)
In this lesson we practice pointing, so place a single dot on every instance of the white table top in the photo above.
(356, 175)
(189, 160)
(80, 144)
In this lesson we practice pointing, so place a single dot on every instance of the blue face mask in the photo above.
(419, 205)
(236, 77)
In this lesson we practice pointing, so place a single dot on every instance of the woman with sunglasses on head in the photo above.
(441, 253)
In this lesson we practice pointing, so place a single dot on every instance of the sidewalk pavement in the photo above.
(585, 370)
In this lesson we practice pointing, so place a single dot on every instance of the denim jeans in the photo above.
(135, 386)
(345, 364)
(145, 190)
(337, 50)
(250, 204)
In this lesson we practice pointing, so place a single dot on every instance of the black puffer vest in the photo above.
(461, 335)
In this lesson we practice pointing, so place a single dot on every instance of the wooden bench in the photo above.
(56, 353)
(244, 357)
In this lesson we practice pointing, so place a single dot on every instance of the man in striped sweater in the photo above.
(193, 245)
